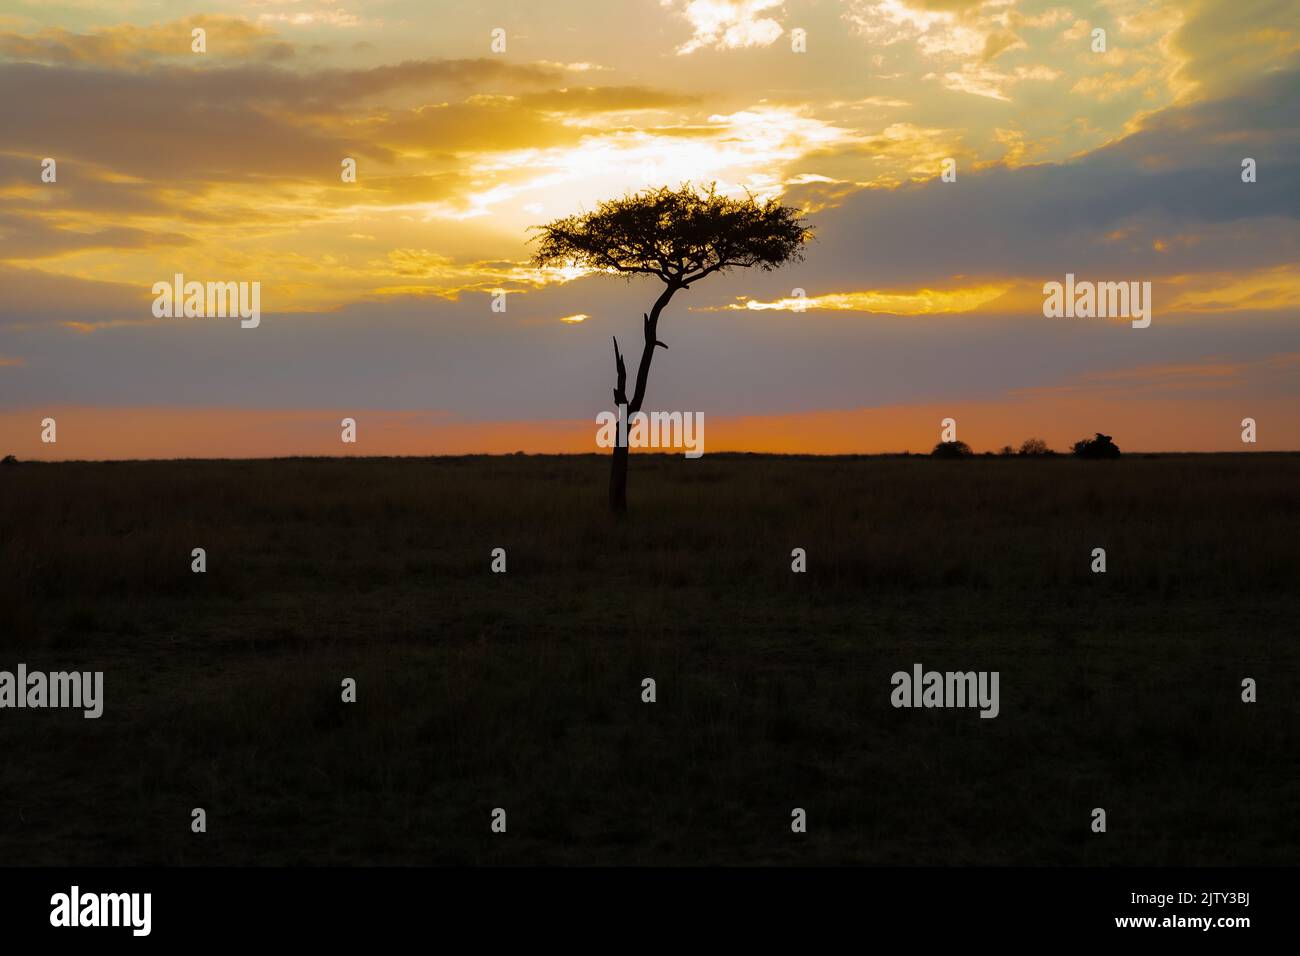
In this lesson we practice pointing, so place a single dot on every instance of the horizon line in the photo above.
(1067, 455)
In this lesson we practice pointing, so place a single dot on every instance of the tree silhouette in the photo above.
(1100, 447)
(679, 236)
(951, 449)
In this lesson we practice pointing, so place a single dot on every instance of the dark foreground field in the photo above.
(523, 690)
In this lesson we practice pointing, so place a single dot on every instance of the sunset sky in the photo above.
(926, 297)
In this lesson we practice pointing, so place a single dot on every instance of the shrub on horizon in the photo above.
(1099, 447)
(1035, 447)
(951, 449)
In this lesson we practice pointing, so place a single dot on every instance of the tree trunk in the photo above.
(619, 459)
(618, 481)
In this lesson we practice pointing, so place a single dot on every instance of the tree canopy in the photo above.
(1103, 446)
(679, 235)
(951, 449)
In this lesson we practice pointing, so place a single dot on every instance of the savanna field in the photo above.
(522, 690)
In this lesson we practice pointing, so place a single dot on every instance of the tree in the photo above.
(1035, 447)
(678, 236)
(1100, 447)
(951, 449)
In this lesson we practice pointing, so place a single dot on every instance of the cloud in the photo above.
(1226, 42)
(741, 151)
(251, 122)
(728, 24)
(980, 79)
(995, 44)
(1166, 200)
(1203, 376)
(210, 165)
(887, 302)
(324, 15)
(895, 154)
(132, 45)
(34, 297)
(26, 237)
(937, 28)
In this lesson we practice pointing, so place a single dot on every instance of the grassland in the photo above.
(523, 690)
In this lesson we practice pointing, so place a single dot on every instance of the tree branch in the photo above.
(620, 389)
(650, 325)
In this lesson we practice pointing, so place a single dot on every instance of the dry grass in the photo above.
(523, 690)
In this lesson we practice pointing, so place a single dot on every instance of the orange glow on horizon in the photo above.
(1148, 425)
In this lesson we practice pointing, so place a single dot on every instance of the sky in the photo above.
(470, 122)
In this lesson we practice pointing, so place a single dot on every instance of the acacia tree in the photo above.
(679, 236)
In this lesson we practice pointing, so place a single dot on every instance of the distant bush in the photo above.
(8, 460)
(1100, 447)
(1006, 451)
(951, 449)
(1035, 447)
